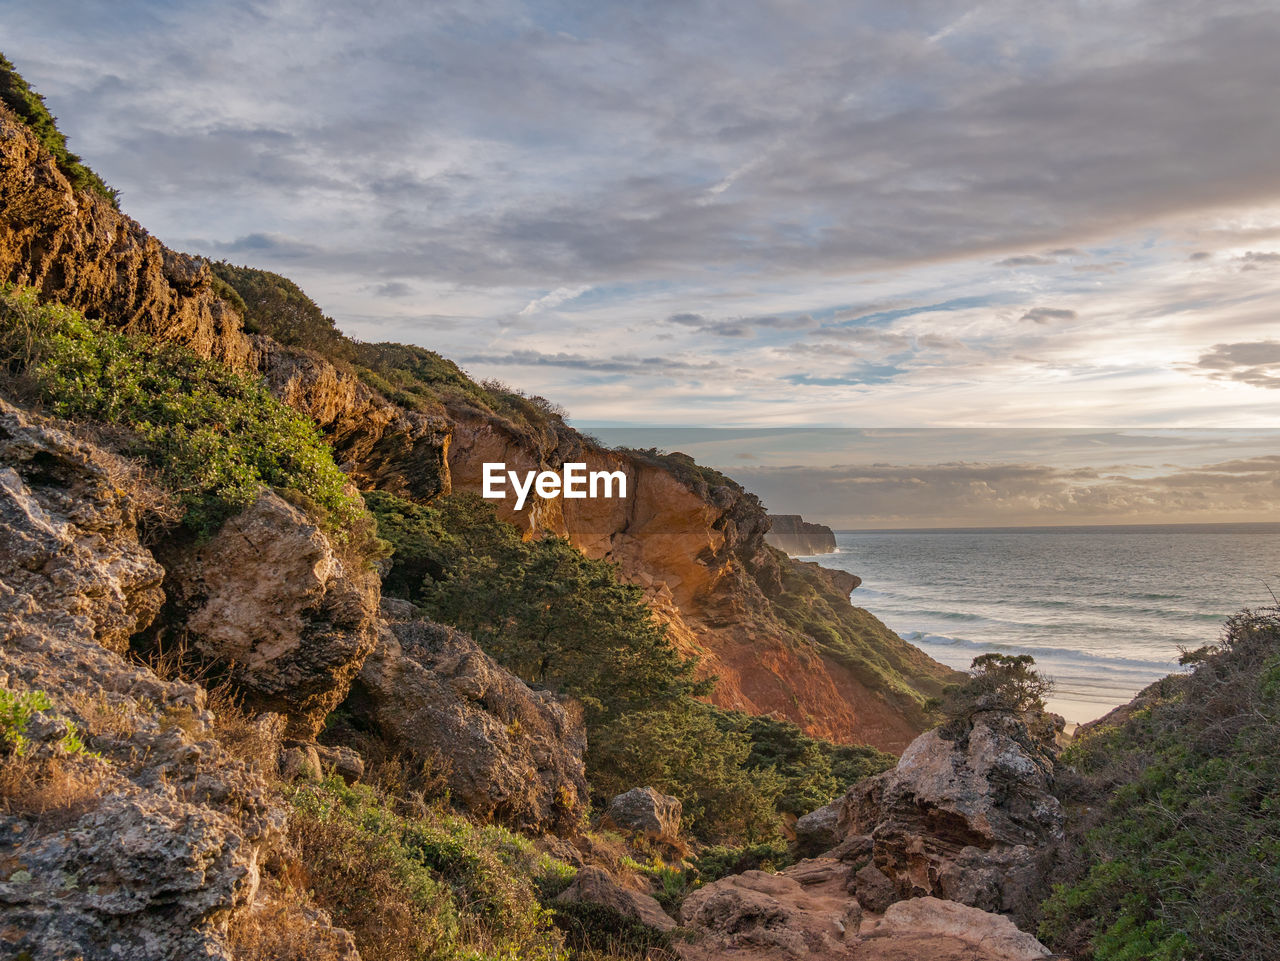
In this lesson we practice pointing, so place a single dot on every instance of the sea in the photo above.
(1103, 610)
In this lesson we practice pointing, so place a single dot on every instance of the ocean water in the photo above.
(1103, 610)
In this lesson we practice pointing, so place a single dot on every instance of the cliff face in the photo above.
(794, 535)
(696, 545)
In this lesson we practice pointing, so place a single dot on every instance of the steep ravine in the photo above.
(697, 548)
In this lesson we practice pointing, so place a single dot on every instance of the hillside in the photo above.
(779, 637)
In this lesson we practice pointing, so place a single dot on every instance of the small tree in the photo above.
(998, 682)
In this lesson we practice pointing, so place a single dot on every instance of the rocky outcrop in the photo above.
(146, 850)
(76, 249)
(757, 915)
(268, 599)
(379, 444)
(965, 814)
(817, 831)
(806, 912)
(508, 752)
(646, 812)
(593, 885)
(794, 535)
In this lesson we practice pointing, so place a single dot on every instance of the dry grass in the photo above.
(284, 926)
(101, 717)
(57, 791)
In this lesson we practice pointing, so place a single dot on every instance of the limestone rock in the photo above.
(642, 810)
(929, 921)
(509, 752)
(594, 885)
(268, 598)
(803, 912)
(146, 850)
(962, 817)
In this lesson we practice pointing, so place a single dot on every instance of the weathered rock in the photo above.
(594, 885)
(509, 752)
(300, 762)
(928, 921)
(642, 810)
(79, 251)
(382, 445)
(269, 599)
(873, 889)
(145, 851)
(343, 761)
(853, 849)
(962, 818)
(818, 831)
(803, 912)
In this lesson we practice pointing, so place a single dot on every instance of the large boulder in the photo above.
(270, 599)
(946, 931)
(818, 831)
(147, 847)
(594, 886)
(965, 813)
(508, 752)
(644, 811)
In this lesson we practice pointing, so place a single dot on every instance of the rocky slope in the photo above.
(792, 534)
(696, 546)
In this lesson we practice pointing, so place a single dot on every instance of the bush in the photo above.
(428, 887)
(814, 771)
(1176, 842)
(216, 438)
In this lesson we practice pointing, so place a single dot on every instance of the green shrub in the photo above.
(215, 437)
(30, 108)
(595, 930)
(814, 771)
(16, 712)
(1176, 839)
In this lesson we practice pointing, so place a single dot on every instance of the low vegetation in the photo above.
(423, 886)
(1174, 848)
(215, 438)
(855, 638)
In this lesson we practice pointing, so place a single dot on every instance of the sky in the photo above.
(1042, 216)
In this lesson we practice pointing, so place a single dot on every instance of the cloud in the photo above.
(1026, 260)
(393, 289)
(1257, 260)
(1201, 255)
(553, 299)
(1045, 315)
(654, 366)
(1256, 363)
